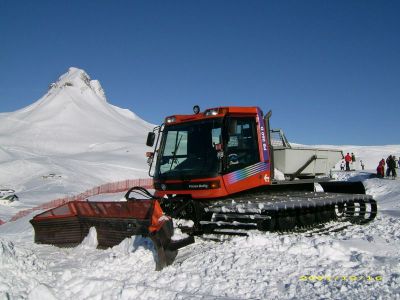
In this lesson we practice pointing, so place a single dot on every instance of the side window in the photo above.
(216, 136)
(242, 145)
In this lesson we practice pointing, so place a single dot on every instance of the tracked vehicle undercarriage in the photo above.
(270, 211)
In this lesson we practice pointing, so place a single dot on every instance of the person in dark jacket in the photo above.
(392, 166)
(353, 160)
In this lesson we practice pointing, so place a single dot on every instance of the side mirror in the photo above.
(150, 139)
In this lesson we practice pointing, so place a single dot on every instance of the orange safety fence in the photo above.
(107, 188)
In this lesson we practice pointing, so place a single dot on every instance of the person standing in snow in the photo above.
(392, 167)
(387, 165)
(383, 164)
(380, 170)
(342, 165)
(347, 158)
(353, 157)
(362, 165)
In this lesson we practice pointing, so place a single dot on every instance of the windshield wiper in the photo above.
(177, 143)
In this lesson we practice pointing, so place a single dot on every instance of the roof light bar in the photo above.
(171, 119)
(211, 112)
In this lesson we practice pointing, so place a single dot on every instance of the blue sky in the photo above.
(329, 70)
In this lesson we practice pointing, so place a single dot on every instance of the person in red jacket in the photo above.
(383, 167)
(380, 170)
(347, 158)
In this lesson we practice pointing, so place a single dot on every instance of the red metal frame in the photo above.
(148, 209)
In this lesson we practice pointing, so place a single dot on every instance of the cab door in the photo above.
(242, 165)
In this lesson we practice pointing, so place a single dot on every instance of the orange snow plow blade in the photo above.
(67, 225)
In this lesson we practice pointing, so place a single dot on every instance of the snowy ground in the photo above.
(359, 262)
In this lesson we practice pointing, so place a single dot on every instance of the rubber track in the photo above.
(287, 211)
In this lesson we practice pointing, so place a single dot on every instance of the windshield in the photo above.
(189, 150)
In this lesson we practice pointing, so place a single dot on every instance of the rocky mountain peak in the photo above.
(78, 79)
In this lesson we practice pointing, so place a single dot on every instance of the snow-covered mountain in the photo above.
(74, 133)
(72, 117)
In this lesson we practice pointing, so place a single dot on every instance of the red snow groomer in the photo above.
(67, 225)
(226, 169)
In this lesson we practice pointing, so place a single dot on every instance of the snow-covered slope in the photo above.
(74, 133)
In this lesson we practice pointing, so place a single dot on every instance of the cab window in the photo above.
(242, 144)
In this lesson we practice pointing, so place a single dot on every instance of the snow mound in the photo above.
(7, 251)
(90, 241)
(19, 270)
(40, 292)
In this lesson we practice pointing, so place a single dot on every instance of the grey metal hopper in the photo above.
(302, 161)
